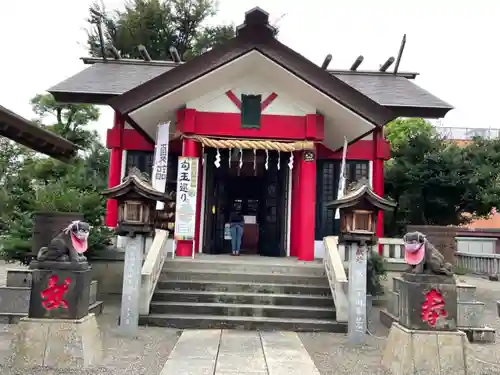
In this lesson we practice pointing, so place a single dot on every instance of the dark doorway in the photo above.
(262, 195)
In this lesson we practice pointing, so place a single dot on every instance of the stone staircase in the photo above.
(243, 293)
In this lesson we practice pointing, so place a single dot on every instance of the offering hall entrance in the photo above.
(260, 193)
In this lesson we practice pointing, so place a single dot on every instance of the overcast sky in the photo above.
(448, 43)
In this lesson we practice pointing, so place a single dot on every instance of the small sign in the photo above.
(161, 160)
(227, 231)
(308, 156)
(187, 189)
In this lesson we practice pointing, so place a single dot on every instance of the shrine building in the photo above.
(267, 125)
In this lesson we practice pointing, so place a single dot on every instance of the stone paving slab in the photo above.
(202, 344)
(285, 354)
(226, 352)
(195, 353)
(240, 352)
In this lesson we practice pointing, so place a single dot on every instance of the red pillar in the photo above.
(378, 179)
(114, 174)
(307, 207)
(295, 207)
(184, 248)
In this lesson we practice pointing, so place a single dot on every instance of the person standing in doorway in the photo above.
(236, 223)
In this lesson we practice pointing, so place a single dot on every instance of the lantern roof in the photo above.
(360, 192)
(136, 183)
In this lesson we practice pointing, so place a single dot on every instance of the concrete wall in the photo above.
(109, 275)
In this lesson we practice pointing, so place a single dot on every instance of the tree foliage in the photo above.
(70, 119)
(437, 182)
(33, 182)
(158, 25)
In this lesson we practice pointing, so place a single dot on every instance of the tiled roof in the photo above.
(115, 78)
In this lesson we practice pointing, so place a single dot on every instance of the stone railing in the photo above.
(392, 251)
(337, 278)
(479, 264)
(151, 269)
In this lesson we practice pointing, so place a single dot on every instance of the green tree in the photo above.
(398, 132)
(68, 120)
(14, 183)
(436, 182)
(158, 25)
(34, 183)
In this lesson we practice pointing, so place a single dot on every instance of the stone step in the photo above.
(245, 266)
(479, 335)
(19, 277)
(243, 298)
(196, 321)
(466, 292)
(244, 287)
(244, 277)
(230, 309)
(470, 314)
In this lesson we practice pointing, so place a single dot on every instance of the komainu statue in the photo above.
(68, 246)
(423, 257)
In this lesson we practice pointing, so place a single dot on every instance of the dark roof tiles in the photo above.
(391, 90)
(115, 78)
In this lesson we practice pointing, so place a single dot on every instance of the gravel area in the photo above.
(334, 356)
(146, 354)
(143, 355)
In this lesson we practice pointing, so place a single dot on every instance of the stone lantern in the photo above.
(359, 209)
(136, 204)
(136, 219)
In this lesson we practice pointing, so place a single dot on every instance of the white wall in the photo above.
(218, 101)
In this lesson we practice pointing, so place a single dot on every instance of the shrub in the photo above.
(375, 273)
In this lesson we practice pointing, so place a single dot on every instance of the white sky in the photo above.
(448, 42)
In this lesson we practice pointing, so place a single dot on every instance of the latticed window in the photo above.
(328, 174)
(143, 160)
(356, 170)
(326, 191)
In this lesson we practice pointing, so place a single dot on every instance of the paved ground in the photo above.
(227, 352)
(331, 354)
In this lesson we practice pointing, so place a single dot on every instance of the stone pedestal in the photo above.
(60, 293)
(59, 332)
(410, 352)
(57, 343)
(427, 302)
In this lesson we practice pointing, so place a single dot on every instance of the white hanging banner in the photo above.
(159, 179)
(342, 178)
(187, 189)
